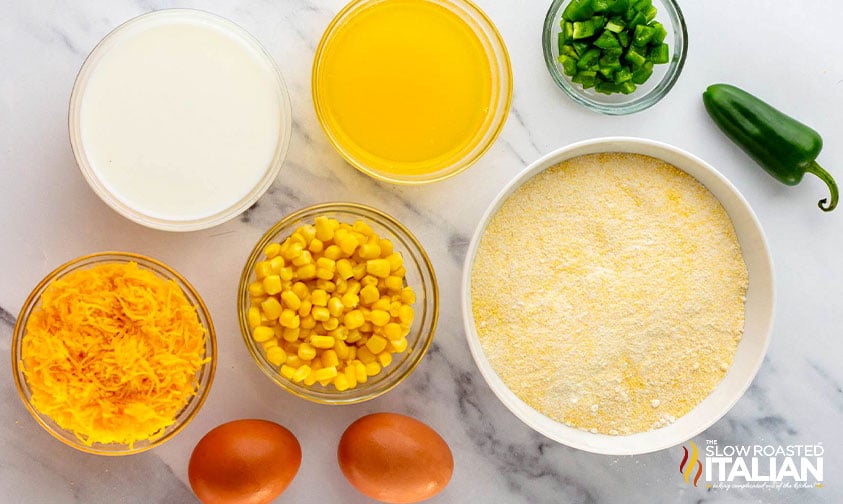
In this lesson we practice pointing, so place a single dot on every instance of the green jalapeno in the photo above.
(783, 146)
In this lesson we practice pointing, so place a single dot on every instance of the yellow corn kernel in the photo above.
(352, 353)
(408, 296)
(373, 368)
(358, 271)
(324, 274)
(331, 324)
(348, 244)
(293, 360)
(398, 345)
(332, 252)
(253, 316)
(330, 358)
(308, 232)
(286, 273)
(369, 251)
(322, 342)
(367, 327)
(406, 314)
(269, 343)
(340, 382)
(311, 378)
(290, 300)
(290, 334)
(326, 263)
(384, 359)
(272, 284)
(344, 269)
(325, 227)
(350, 300)
(298, 237)
(394, 307)
(369, 294)
(276, 264)
(256, 301)
(376, 344)
(294, 249)
(256, 289)
(342, 285)
(382, 304)
(288, 371)
(262, 270)
(308, 322)
(335, 306)
(301, 373)
(360, 370)
(340, 350)
(378, 267)
(386, 247)
(276, 356)
(272, 250)
(326, 373)
(306, 272)
(396, 261)
(354, 319)
(300, 290)
(363, 228)
(289, 318)
(379, 318)
(316, 246)
(353, 336)
(354, 286)
(319, 297)
(305, 307)
(326, 285)
(392, 331)
(351, 376)
(303, 259)
(262, 333)
(394, 283)
(271, 308)
(306, 352)
(338, 333)
(365, 355)
(320, 313)
(369, 280)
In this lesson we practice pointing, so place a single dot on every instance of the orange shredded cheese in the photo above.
(112, 353)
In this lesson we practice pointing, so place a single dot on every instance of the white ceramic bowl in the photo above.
(758, 309)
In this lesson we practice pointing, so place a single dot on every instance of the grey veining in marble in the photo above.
(49, 215)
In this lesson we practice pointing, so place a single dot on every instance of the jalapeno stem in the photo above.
(818, 170)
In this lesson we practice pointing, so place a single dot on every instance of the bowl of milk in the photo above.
(179, 120)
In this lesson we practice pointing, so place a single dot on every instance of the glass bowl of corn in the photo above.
(337, 303)
(93, 359)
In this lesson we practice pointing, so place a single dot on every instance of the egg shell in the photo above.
(395, 458)
(244, 462)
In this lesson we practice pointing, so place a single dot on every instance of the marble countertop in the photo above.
(787, 52)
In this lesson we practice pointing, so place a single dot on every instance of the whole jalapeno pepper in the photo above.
(783, 146)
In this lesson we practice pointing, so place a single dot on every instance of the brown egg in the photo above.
(244, 462)
(394, 458)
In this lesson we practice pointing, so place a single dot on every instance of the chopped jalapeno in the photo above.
(611, 45)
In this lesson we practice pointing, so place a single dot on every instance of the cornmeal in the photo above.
(608, 293)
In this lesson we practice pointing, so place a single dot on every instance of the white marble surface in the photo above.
(791, 53)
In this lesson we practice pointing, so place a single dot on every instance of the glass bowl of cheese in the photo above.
(113, 353)
(618, 295)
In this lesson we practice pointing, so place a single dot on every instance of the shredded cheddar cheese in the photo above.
(608, 293)
(112, 353)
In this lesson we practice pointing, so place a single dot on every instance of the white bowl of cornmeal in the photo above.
(179, 120)
(618, 296)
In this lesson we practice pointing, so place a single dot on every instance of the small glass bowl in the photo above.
(439, 169)
(204, 377)
(646, 95)
(420, 276)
